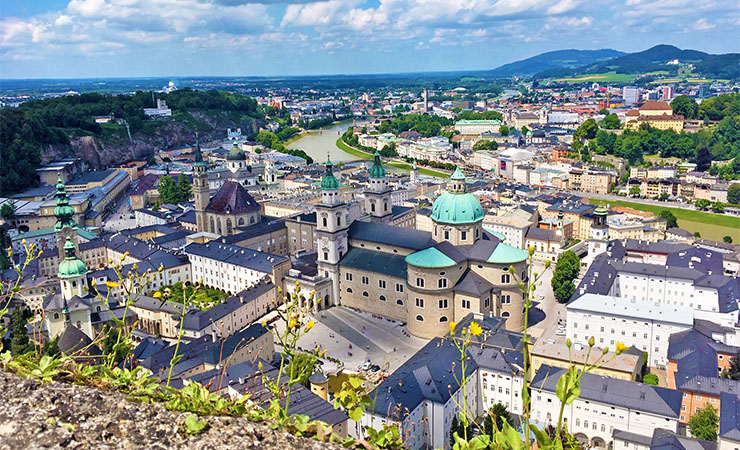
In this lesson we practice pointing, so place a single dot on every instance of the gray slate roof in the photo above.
(244, 257)
(390, 235)
(373, 261)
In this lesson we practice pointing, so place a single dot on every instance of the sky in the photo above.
(163, 38)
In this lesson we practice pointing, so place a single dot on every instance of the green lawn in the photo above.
(603, 77)
(364, 155)
(710, 225)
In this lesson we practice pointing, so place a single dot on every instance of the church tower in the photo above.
(65, 227)
(200, 187)
(378, 202)
(72, 273)
(599, 233)
(332, 223)
(270, 175)
(236, 160)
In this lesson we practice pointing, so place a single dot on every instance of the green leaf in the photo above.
(355, 414)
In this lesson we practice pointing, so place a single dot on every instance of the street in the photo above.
(543, 318)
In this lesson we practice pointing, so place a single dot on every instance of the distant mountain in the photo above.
(655, 59)
(553, 60)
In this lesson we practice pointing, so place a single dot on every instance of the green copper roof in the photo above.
(329, 181)
(601, 211)
(377, 170)
(457, 174)
(236, 154)
(430, 258)
(63, 211)
(198, 154)
(71, 265)
(455, 208)
(506, 254)
(495, 233)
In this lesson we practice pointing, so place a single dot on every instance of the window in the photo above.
(488, 302)
(442, 283)
(365, 280)
(326, 255)
(381, 284)
(348, 276)
(463, 235)
(382, 298)
(420, 282)
(399, 287)
(505, 299)
(419, 302)
(56, 315)
(466, 304)
(365, 294)
(443, 304)
(444, 319)
(505, 278)
(399, 302)
(419, 318)
(447, 234)
(323, 221)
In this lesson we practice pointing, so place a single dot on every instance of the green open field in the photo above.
(608, 76)
(710, 225)
(364, 155)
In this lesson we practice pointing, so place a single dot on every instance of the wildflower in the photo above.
(292, 324)
(568, 343)
(591, 341)
(309, 325)
(324, 352)
(475, 329)
(452, 328)
(126, 253)
(157, 295)
(23, 241)
(135, 267)
(620, 348)
(264, 324)
(92, 282)
(111, 284)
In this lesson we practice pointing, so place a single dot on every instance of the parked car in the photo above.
(375, 368)
(367, 365)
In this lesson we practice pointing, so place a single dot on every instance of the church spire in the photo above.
(63, 211)
(198, 154)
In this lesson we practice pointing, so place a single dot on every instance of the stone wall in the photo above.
(55, 415)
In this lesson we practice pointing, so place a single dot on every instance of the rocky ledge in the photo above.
(58, 415)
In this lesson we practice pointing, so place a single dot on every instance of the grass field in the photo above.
(608, 76)
(364, 155)
(710, 225)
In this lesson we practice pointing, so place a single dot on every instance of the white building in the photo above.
(160, 111)
(233, 268)
(605, 404)
(644, 325)
(476, 127)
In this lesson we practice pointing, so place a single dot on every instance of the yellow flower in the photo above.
(157, 295)
(111, 284)
(324, 352)
(292, 324)
(620, 348)
(310, 325)
(475, 329)
(23, 241)
(452, 327)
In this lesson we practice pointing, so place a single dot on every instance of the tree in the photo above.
(733, 372)
(651, 379)
(167, 190)
(503, 130)
(184, 189)
(702, 203)
(703, 159)
(567, 269)
(485, 144)
(727, 239)
(663, 196)
(685, 106)
(718, 207)
(703, 424)
(525, 130)
(52, 348)
(670, 219)
(697, 234)
(7, 211)
(611, 122)
(500, 414)
(587, 130)
(635, 190)
(733, 192)
(156, 206)
(302, 367)
(21, 343)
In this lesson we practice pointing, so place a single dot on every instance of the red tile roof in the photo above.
(232, 198)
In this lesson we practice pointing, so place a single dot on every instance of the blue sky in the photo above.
(153, 38)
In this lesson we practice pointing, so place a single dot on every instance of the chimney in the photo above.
(213, 335)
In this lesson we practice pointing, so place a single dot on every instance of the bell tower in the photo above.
(332, 223)
(200, 187)
(65, 227)
(378, 201)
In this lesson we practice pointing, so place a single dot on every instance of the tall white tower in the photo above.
(378, 201)
(201, 190)
(332, 222)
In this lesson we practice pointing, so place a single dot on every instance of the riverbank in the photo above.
(400, 165)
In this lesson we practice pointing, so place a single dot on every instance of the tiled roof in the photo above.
(378, 262)
(729, 417)
(472, 283)
(390, 235)
(232, 198)
(231, 254)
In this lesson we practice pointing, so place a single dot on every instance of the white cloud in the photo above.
(702, 24)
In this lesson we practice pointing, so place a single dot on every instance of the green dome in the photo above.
(63, 212)
(377, 170)
(236, 154)
(430, 258)
(601, 211)
(329, 181)
(457, 206)
(71, 266)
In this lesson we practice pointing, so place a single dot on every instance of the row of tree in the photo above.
(171, 191)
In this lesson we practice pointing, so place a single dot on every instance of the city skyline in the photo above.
(132, 38)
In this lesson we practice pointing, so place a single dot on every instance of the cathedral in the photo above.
(424, 279)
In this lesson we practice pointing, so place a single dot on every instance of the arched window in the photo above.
(505, 314)
(349, 290)
(74, 284)
(372, 207)
(213, 227)
(365, 294)
(385, 205)
(56, 315)
(251, 220)
(419, 318)
(97, 308)
(382, 298)
(443, 319)
(399, 302)
(339, 220)
(241, 221)
(229, 227)
(323, 221)
(79, 325)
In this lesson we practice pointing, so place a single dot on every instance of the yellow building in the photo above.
(658, 115)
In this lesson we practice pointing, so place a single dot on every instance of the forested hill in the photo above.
(559, 59)
(726, 66)
(41, 130)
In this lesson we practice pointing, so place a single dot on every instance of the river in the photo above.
(318, 142)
